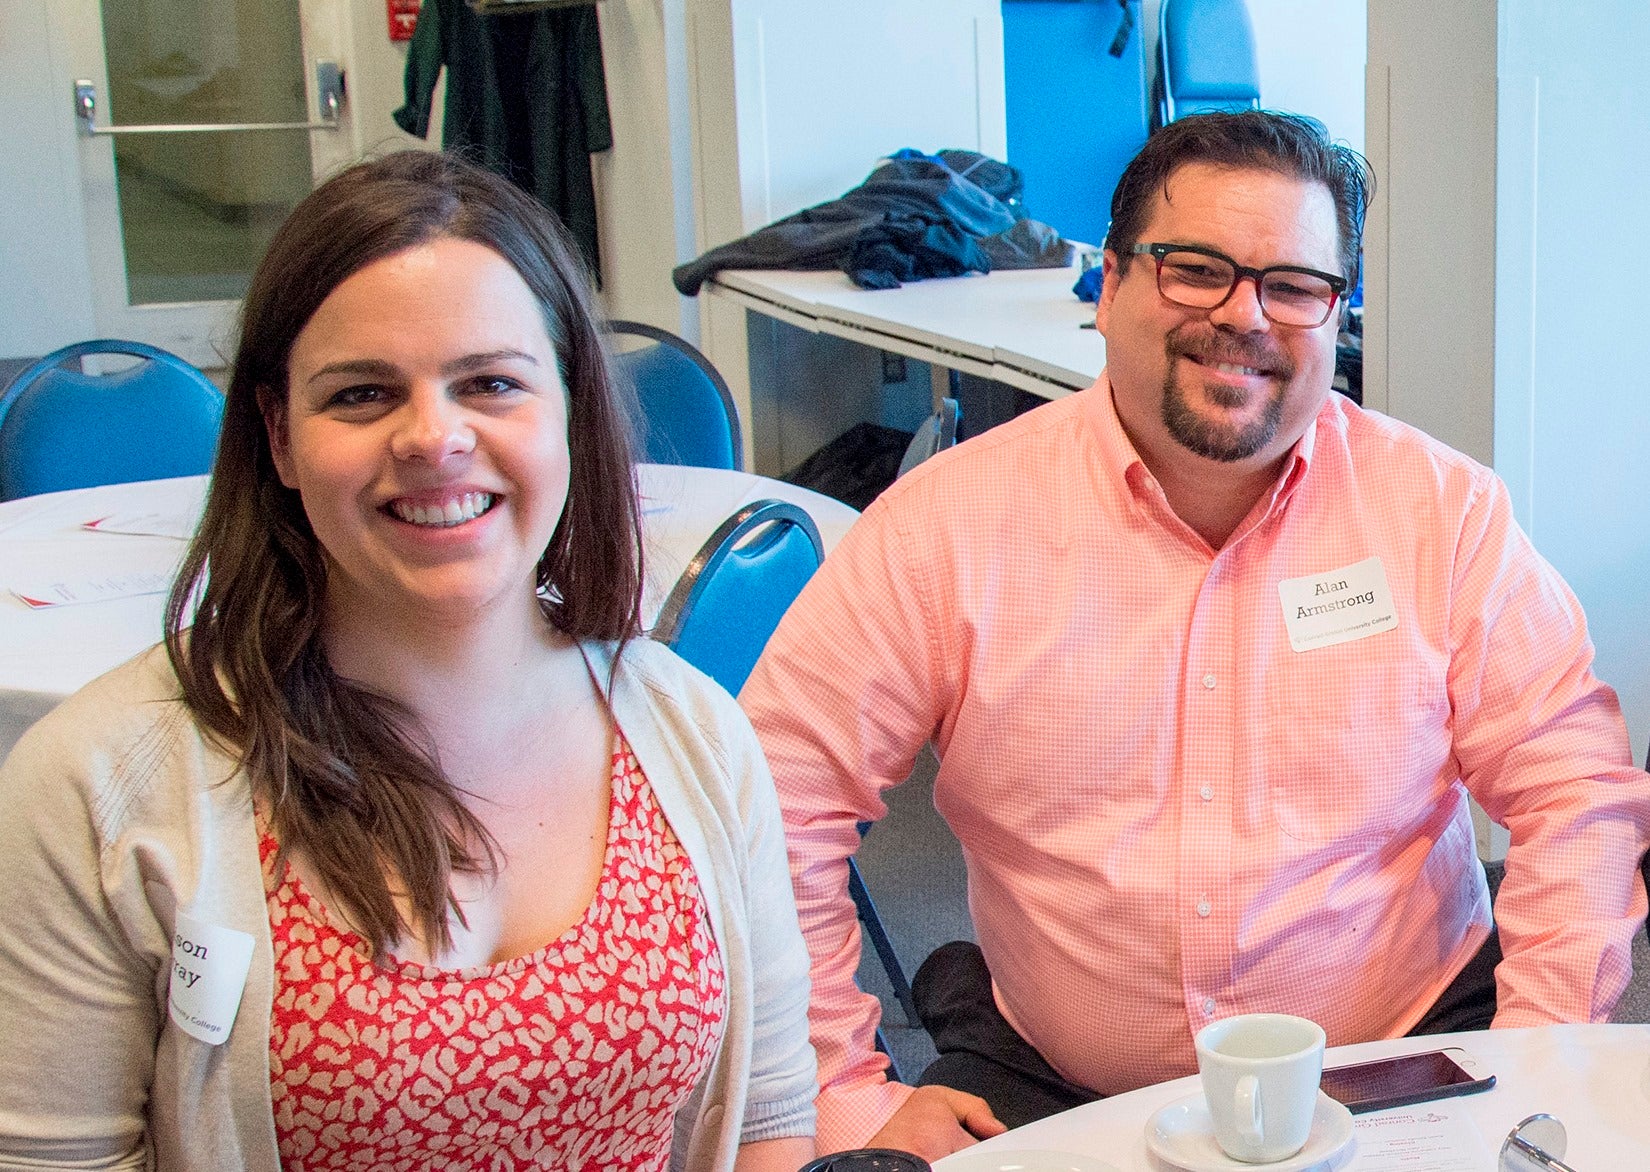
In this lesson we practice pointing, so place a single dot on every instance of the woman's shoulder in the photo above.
(655, 693)
(123, 704)
(663, 676)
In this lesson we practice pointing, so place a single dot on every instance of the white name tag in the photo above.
(209, 966)
(1337, 606)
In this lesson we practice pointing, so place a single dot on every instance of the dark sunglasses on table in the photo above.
(1201, 278)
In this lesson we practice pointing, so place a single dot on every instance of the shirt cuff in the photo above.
(850, 1116)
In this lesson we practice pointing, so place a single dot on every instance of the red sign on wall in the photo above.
(403, 16)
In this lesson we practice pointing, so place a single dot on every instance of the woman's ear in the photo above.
(273, 409)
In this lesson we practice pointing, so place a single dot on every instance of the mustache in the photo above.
(1202, 343)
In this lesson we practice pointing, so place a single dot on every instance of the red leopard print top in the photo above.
(576, 1056)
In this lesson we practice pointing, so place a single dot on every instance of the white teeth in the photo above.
(455, 512)
(1232, 368)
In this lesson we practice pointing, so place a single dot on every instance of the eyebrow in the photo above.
(378, 368)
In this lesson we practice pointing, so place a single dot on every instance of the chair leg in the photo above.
(884, 947)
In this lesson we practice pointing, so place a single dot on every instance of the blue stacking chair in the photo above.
(61, 428)
(1205, 58)
(737, 587)
(688, 414)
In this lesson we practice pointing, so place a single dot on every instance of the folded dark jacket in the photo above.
(918, 214)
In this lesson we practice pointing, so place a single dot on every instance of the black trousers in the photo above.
(979, 1052)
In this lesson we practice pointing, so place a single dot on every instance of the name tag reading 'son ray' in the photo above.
(209, 967)
(1337, 606)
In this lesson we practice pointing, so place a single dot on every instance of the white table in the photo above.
(1023, 327)
(1594, 1078)
(45, 655)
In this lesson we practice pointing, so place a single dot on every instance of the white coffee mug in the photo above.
(1260, 1076)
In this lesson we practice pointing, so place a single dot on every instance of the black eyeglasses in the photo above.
(1201, 278)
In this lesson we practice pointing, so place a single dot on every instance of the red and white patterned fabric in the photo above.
(576, 1056)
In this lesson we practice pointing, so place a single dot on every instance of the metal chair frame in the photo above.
(934, 434)
(679, 605)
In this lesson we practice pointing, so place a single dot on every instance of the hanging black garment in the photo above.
(526, 97)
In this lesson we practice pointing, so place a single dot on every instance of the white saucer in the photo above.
(1024, 1161)
(1183, 1135)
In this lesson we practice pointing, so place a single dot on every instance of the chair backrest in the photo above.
(738, 586)
(61, 428)
(934, 434)
(1205, 58)
(688, 415)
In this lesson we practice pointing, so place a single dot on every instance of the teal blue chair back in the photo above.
(737, 587)
(687, 412)
(61, 428)
(1205, 58)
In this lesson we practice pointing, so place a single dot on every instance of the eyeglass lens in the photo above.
(1198, 281)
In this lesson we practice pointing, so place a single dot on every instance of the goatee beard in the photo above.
(1217, 440)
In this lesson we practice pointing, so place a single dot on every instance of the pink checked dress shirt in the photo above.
(1168, 813)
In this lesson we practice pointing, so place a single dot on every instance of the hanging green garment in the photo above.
(526, 97)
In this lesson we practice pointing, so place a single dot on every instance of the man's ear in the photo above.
(273, 410)
(1110, 274)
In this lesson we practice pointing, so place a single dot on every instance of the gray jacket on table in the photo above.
(118, 812)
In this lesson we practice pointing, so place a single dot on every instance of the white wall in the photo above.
(791, 103)
(1515, 157)
(1572, 412)
(1429, 336)
(45, 273)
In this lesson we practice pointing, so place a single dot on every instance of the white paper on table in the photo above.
(46, 592)
(145, 525)
(1429, 1137)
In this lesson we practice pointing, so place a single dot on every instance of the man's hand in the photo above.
(937, 1121)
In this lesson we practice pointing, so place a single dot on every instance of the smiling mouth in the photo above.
(458, 510)
(1234, 368)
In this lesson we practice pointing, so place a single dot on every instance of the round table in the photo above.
(46, 654)
(1593, 1078)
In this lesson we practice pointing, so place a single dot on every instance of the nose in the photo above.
(1241, 310)
(431, 426)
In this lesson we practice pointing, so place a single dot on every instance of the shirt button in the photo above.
(1203, 907)
(1207, 793)
(1209, 1006)
(1209, 681)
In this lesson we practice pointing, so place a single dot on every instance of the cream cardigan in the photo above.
(117, 812)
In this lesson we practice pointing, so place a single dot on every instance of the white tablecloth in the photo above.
(45, 655)
(1595, 1079)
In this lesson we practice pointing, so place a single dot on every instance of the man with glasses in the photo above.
(1211, 659)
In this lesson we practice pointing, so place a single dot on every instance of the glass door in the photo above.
(200, 124)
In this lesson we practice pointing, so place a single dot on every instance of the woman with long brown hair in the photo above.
(409, 852)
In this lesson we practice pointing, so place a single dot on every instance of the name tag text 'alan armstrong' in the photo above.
(1337, 606)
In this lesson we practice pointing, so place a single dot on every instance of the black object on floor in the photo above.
(856, 465)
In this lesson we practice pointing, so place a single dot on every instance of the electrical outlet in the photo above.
(893, 368)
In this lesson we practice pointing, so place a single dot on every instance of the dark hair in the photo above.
(1265, 140)
(347, 774)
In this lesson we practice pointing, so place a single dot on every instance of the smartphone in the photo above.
(1398, 1082)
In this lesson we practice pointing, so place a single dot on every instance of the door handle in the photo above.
(329, 85)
